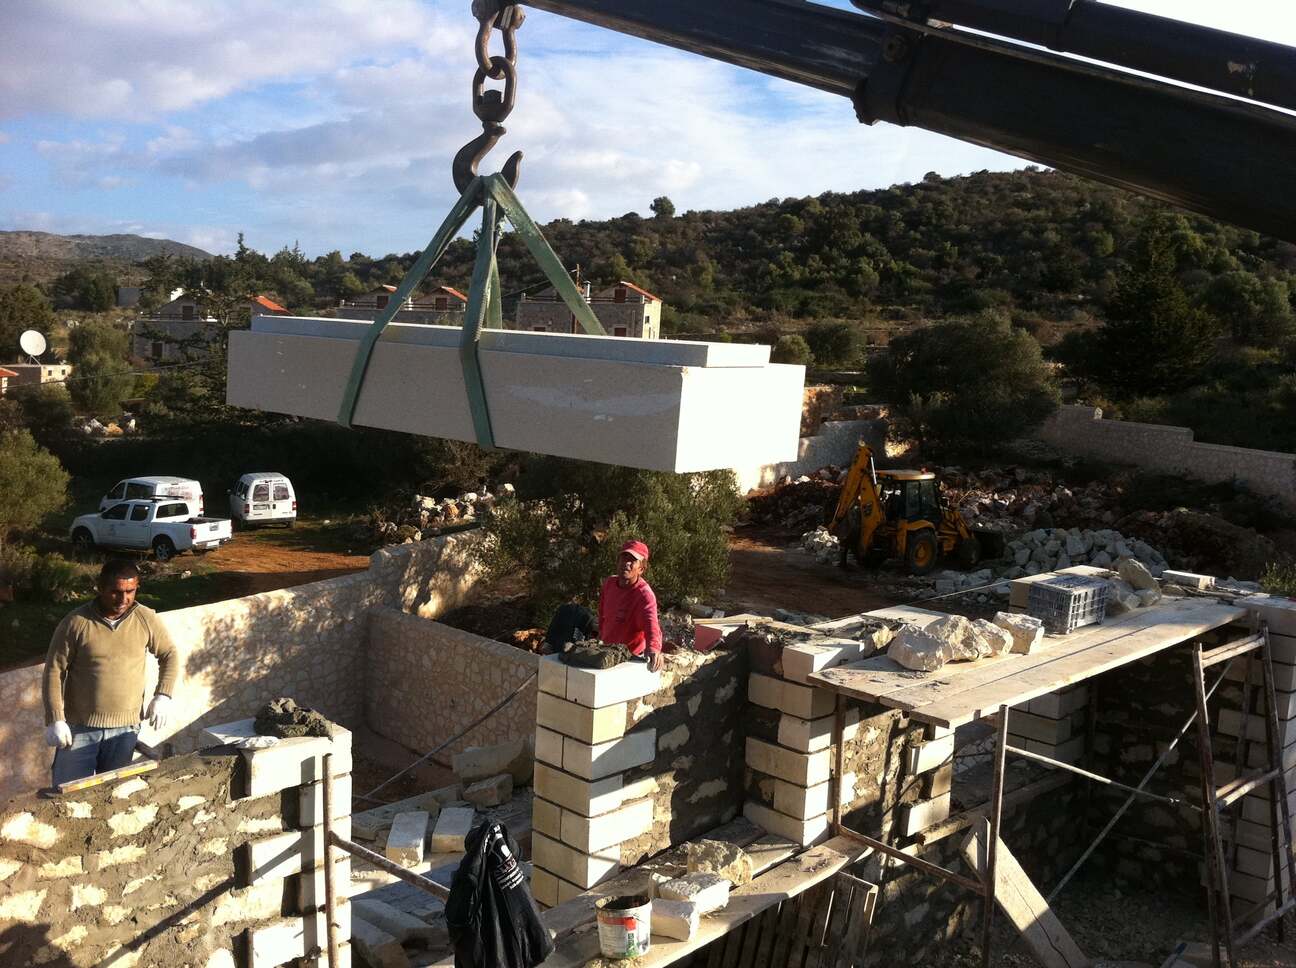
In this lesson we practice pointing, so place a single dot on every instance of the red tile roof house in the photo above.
(624, 309)
(441, 305)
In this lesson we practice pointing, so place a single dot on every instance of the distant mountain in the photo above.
(42, 246)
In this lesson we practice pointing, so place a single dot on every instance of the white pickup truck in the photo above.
(164, 525)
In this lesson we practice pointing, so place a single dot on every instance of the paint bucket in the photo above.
(624, 925)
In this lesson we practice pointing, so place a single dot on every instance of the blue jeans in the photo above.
(94, 750)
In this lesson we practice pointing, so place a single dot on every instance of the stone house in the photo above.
(5, 377)
(624, 309)
(441, 306)
(14, 375)
(178, 330)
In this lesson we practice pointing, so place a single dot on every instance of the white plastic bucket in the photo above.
(624, 926)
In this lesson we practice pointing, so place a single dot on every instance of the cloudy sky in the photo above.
(332, 122)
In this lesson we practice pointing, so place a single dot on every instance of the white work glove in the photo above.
(158, 713)
(58, 734)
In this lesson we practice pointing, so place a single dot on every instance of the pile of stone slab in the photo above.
(655, 404)
(1053, 549)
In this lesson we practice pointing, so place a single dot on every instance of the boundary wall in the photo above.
(1172, 450)
(307, 642)
(836, 443)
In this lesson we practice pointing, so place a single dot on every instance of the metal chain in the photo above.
(493, 106)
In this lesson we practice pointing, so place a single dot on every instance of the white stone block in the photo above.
(920, 816)
(273, 944)
(580, 722)
(931, 754)
(589, 798)
(552, 676)
(803, 769)
(1188, 579)
(1042, 728)
(603, 687)
(806, 702)
(763, 690)
(675, 919)
(709, 892)
(803, 832)
(490, 792)
(288, 853)
(594, 834)
(288, 763)
(549, 746)
(377, 948)
(544, 887)
(407, 835)
(605, 759)
(400, 925)
(310, 883)
(812, 735)
(616, 408)
(1279, 612)
(806, 803)
(546, 817)
(452, 826)
(572, 865)
(803, 658)
(311, 802)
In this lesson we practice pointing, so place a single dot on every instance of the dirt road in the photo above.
(261, 561)
(768, 573)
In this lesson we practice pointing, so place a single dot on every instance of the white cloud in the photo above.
(131, 59)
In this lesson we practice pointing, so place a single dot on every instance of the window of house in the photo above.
(187, 311)
(540, 329)
(261, 492)
(382, 301)
(441, 303)
(619, 331)
(157, 349)
(281, 492)
(116, 513)
(647, 321)
(139, 512)
(619, 295)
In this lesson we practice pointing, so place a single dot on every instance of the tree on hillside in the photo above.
(83, 287)
(663, 207)
(792, 348)
(1153, 339)
(33, 483)
(46, 411)
(564, 532)
(1255, 310)
(957, 384)
(101, 377)
(833, 344)
(22, 308)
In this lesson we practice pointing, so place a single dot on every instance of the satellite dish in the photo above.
(32, 343)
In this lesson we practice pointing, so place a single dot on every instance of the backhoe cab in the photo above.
(900, 514)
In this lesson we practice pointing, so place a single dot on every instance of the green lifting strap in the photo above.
(493, 195)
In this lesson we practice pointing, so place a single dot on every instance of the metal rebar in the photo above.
(383, 864)
(330, 890)
(1098, 778)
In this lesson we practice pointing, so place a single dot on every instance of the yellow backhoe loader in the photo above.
(902, 514)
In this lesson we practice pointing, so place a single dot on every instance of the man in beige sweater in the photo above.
(95, 677)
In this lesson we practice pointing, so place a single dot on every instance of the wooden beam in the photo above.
(1025, 906)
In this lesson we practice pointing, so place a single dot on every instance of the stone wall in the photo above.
(210, 860)
(630, 762)
(425, 681)
(1171, 450)
(307, 642)
(836, 443)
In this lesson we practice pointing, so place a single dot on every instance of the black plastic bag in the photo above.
(491, 916)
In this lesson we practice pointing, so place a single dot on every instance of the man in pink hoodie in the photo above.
(627, 611)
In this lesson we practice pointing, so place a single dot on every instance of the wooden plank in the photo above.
(788, 880)
(1025, 906)
(963, 705)
(786, 931)
(819, 926)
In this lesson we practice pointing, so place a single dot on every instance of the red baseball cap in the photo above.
(635, 549)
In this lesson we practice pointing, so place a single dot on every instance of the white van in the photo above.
(263, 498)
(148, 488)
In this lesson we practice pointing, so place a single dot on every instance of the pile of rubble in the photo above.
(1010, 498)
(955, 638)
(797, 504)
(822, 545)
(1050, 549)
(427, 517)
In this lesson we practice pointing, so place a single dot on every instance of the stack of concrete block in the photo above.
(1252, 877)
(933, 761)
(1019, 588)
(585, 742)
(296, 855)
(792, 788)
(1052, 725)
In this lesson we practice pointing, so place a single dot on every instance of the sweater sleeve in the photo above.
(168, 657)
(648, 620)
(62, 649)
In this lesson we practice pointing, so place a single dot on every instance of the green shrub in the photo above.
(834, 344)
(55, 579)
(1279, 579)
(566, 529)
(792, 348)
(32, 483)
